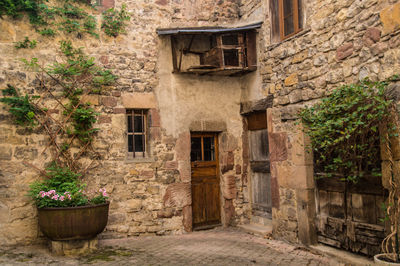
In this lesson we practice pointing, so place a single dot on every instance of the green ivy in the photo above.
(21, 107)
(43, 16)
(114, 21)
(26, 44)
(344, 133)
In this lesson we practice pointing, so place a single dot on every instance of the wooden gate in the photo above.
(260, 164)
(205, 180)
(350, 216)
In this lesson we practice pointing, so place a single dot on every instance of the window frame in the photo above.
(296, 19)
(145, 133)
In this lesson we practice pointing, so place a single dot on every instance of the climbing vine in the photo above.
(344, 130)
(70, 79)
(114, 21)
(68, 16)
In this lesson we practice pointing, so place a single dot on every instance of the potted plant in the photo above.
(66, 210)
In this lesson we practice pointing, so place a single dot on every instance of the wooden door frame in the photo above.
(218, 169)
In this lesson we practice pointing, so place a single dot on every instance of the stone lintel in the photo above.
(254, 106)
(137, 100)
(207, 126)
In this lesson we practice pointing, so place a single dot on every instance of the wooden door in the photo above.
(350, 216)
(205, 180)
(260, 165)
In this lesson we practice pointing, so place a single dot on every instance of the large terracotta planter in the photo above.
(73, 223)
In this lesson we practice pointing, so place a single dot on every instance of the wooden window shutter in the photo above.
(251, 49)
(257, 120)
(274, 11)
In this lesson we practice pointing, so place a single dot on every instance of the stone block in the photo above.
(306, 214)
(228, 142)
(299, 153)
(155, 134)
(5, 153)
(227, 162)
(73, 247)
(146, 174)
(116, 93)
(291, 80)
(187, 218)
(155, 120)
(210, 126)
(178, 195)
(92, 99)
(7, 31)
(184, 169)
(300, 57)
(104, 119)
(229, 211)
(371, 36)
(133, 204)
(344, 51)
(278, 146)
(390, 18)
(153, 190)
(166, 213)
(26, 153)
(183, 146)
(229, 187)
(139, 100)
(119, 111)
(171, 165)
(109, 101)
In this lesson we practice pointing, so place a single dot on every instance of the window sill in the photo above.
(301, 33)
(139, 160)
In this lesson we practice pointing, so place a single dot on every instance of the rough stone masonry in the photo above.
(341, 42)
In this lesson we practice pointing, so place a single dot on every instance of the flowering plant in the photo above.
(62, 188)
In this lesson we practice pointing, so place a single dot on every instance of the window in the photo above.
(214, 50)
(137, 132)
(287, 18)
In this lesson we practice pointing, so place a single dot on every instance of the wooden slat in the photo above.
(251, 49)
(274, 12)
(257, 120)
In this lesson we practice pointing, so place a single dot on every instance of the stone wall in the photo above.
(148, 196)
(342, 42)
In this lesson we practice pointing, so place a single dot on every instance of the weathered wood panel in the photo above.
(350, 215)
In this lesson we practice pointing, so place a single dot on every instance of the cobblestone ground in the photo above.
(213, 247)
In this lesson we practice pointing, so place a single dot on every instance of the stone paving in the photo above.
(214, 247)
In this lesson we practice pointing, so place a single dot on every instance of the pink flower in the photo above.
(55, 197)
(51, 192)
(62, 198)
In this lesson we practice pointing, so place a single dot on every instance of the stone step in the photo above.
(258, 229)
(260, 220)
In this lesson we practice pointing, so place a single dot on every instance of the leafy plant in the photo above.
(343, 129)
(26, 44)
(114, 21)
(47, 32)
(61, 187)
(42, 15)
(21, 107)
